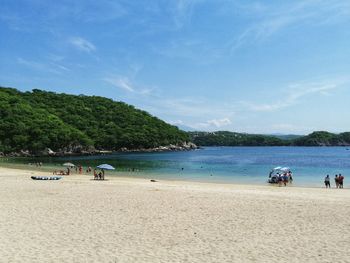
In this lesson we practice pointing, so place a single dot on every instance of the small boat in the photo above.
(46, 177)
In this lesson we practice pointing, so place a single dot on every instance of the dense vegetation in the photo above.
(224, 138)
(323, 138)
(39, 119)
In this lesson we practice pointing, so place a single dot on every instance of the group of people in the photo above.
(100, 175)
(79, 169)
(281, 178)
(285, 178)
(338, 180)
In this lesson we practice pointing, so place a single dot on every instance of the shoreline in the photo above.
(48, 171)
(160, 149)
(146, 178)
(85, 178)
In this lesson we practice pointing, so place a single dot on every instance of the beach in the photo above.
(77, 219)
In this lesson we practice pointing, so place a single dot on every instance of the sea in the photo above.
(242, 165)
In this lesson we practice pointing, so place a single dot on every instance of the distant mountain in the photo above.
(285, 136)
(33, 121)
(323, 138)
(226, 138)
(185, 128)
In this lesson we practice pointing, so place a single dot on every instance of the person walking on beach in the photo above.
(327, 181)
(340, 180)
(336, 180)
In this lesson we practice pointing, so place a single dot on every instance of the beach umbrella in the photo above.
(68, 164)
(105, 167)
(277, 168)
(285, 169)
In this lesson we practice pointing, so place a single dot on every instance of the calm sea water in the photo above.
(219, 164)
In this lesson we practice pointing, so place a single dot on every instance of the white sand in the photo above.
(133, 220)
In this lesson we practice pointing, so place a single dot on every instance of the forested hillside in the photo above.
(34, 121)
(323, 138)
(39, 119)
(225, 138)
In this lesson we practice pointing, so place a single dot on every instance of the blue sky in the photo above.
(247, 66)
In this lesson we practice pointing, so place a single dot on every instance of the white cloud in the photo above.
(126, 84)
(296, 92)
(121, 82)
(214, 123)
(82, 44)
(219, 122)
(275, 18)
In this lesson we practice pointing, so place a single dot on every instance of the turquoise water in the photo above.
(220, 164)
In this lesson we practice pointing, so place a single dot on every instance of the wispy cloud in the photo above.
(46, 15)
(121, 82)
(298, 91)
(275, 18)
(82, 44)
(214, 123)
(194, 113)
(43, 66)
(183, 12)
(194, 107)
(124, 83)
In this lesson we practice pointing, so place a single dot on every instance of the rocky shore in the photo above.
(79, 150)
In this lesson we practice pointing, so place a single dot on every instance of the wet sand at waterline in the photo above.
(77, 219)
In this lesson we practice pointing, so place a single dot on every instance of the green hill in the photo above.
(225, 138)
(323, 138)
(39, 119)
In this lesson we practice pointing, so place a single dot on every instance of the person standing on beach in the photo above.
(327, 181)
(340, 180)
(336, 180)
(280, 179)
(290, 177)
(285, 179)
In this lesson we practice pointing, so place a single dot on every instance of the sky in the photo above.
(273, 66)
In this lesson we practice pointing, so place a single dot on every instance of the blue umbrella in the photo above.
(105, 167)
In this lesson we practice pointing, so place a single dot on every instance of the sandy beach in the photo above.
(77, 219)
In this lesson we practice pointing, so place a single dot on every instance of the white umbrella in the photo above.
(285, 169)
(68, 164)
(105, 167)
